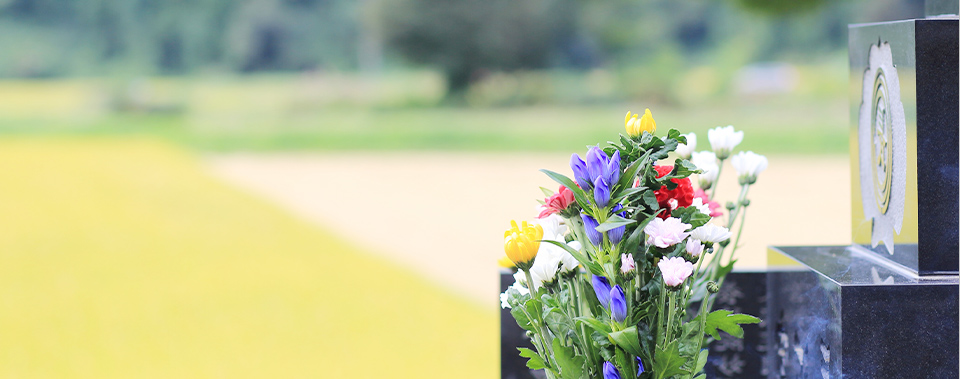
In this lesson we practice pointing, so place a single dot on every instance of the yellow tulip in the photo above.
(635, 127)
(630, 123)
(521, 243)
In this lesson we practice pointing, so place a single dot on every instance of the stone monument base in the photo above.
(844, 312)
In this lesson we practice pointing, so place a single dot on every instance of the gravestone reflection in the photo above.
(886, 306)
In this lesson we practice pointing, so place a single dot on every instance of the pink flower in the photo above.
(557, 203)
(626, 263)
(714, 206)
(665, 233)
(694, 247)
(675, 270)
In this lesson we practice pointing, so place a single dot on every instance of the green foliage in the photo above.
(726, 321)
(627, 340)
(534, 361)
(571, 365)
(466, 36)
(667, 361)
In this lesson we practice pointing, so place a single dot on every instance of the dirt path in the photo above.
(443, 214)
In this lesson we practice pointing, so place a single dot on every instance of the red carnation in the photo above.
(682, 196)
(557, 203)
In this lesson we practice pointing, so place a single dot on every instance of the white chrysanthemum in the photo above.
(748, 165)
(711, 233)
(706, 161)
(685, 149)
(665, 233)
(553, 227)
(723, 140)
(516, 289)
(567, 261)
(703, 208)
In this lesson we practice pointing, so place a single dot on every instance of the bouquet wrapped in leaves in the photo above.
(617, 277)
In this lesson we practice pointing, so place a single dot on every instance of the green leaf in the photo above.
(534, 309)
(683, 168)
(701, 360)
(595, 324)
(675, 134)
(627, 339)
(722, 271)
(650, 200)
(691, 215)
(521, 318)
(527, 353)
(546, 192)
(615, 221)
(534, 362)
(627, 193)
(578, 193)
(571, 365)
(667, 361)
(722, 319)
(626, 179)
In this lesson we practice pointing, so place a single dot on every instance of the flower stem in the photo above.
(713, 192)
(736, 243)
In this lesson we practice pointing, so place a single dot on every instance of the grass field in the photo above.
(122, 258)
(292, 113)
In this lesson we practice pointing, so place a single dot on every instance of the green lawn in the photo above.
(122, 258)
(285, 114)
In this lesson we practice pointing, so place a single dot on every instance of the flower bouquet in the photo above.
(612, 280)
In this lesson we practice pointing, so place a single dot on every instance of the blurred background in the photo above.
(316, 188)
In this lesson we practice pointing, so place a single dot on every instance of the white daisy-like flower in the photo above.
(748, 165)
(703, 208)
(723, 140)
(706, 161)
(685, 149)
(711, 233)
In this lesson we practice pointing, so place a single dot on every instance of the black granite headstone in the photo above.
(886, 306)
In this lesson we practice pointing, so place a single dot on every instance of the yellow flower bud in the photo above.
(631, 124)
(635, 127)
(521, 243)
(647, 124)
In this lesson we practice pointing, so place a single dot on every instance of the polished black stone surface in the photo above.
(925, 54)
(742, 292)
(512, 365)
(841, 311)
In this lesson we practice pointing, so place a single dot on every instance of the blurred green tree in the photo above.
(467, 37)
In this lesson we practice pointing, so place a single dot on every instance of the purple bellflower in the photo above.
(590, 225)
(639, 366)
(610, 371)
(601, 192)
(597, 162)
(616, 234)
(580, 174)
(613, 168)
(618, 304)
(601, 286)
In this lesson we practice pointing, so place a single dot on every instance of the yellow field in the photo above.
(122, 258)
